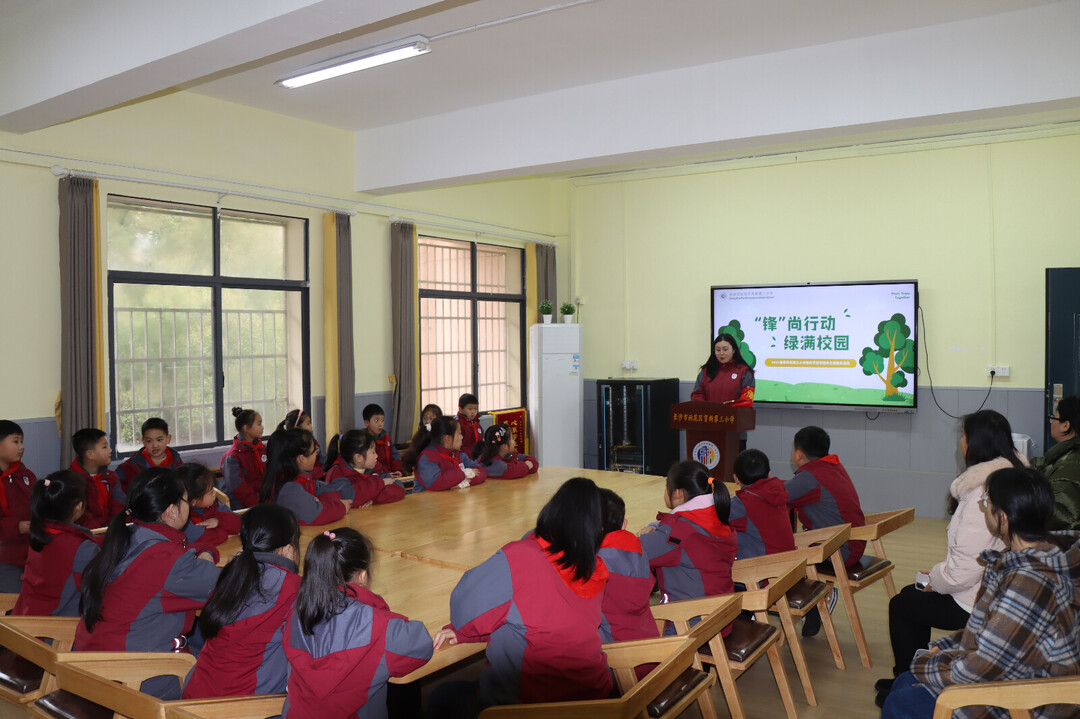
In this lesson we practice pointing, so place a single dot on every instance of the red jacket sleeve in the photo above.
(390, 493)
(367, 487)
(228, 520)
(333, 508)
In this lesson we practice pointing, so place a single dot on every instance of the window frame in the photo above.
(216, 282)
(474, 297)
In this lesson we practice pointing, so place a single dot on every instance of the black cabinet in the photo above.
(634, 427)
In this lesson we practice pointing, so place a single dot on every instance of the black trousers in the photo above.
(912, 614)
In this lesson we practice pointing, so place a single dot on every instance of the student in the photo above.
(342, 641)
(421, 437)
(441, 464)
(156, 452)
(759, 513)
(244, 620)
(16, 482)
(244, 464)
(467, 417)
(59, 549)
(206, 511)
(497, 453)
(142, 591)
(104, 497)
(429, 414)
(299, 419)
(389, 459)
(626, 613)
(290, 484)
(691, 549)
(537, 603)
(353, 456)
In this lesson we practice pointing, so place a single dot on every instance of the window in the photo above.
(209, 310)
(472, 315)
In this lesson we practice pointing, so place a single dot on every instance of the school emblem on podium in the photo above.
(707, 453)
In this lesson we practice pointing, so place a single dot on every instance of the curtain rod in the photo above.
(459, 228)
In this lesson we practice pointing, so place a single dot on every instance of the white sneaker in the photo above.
(831, 601)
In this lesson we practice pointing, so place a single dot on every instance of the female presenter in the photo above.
(725, 377)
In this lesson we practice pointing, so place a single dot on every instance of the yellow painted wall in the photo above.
(977, 225)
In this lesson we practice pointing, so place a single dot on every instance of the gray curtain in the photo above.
(78, 359)
(546, 286)
(346, 363)
(403, 298)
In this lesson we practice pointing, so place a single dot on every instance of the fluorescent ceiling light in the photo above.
(372, 57)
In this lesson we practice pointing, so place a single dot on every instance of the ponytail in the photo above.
(333, 558)
(282, 450)
(348, 445)
(292, 419)
(693, 479)
(488, 447)
(53, 499)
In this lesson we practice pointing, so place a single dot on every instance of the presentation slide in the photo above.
(825, 344)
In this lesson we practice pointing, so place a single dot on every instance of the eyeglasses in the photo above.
(1053, 418)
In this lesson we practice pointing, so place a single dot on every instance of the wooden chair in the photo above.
(731, 655)
(1019, 697)
(222, 497)
(870, 569)
(28, 664)
(7, 602)
(261, 707)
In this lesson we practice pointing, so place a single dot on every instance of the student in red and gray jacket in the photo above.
(537, 603)
(759, 511)
(15, 484)
(156, 452)
(244, 463)
(630, 583)
(289, 482)
(142, 591)
(467, 417)
(59, 549)
(442, 464)
(342, 641)
(104, 497)
(389, 460)
(299, 419)
(244, 621)
(206, 511)
(497, 454)
(352, 456)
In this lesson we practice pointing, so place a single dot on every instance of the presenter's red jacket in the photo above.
(15, 486)
(626, 597)
(152, 595)
(247, 655)
(471, 432)
(340, 670)
(733, 383)
(140, 461)
(759, 516)
(824, 496)
(440, 468)
(104, 497)
(389, 458)
(243, 467)
(691, 551)
(53, 576)
(541, 626)
(368, 487)
(512, 466)
(228, 520)
(314, 501)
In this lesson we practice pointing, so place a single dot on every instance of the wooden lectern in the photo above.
(712, 433)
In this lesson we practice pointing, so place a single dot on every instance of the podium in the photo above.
(712, 433)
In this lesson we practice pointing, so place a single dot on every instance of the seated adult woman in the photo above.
(1061, 465)
(946, 602)
(725, 376)
(1024, 624)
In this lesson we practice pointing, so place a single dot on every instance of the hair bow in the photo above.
(46, 482)
(710, 480)
(330, 534)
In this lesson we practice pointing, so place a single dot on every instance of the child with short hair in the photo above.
(59, 549)
(104, 496)
(244, 464)
(16, 481)
(626, 613)
(206, 511)
(289, 482)
(759, 512)
(497, 452)
(156, 452)
(442, 464)
(353, 456)
(468, 418)
(389, 459)
(343, 642)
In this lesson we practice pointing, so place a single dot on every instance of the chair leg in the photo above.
(879, 551)
(830, 633)
(781, 680)
(787, 622)
(704, 700)
(848, 597)
(727, 680)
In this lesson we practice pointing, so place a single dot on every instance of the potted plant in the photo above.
(545, 311)
(567, 310)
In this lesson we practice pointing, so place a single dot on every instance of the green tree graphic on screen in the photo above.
(893, 355)
(734, 329)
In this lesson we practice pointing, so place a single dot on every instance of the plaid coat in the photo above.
(1024, 626)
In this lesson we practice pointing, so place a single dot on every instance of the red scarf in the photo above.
(15, 467)
(167, 462)
(306, 481)
(101, 487)
(584, 588)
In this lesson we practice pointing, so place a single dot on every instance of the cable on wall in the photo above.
(926, 355)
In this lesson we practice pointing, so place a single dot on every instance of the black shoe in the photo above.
(880, 699)
(811, 623)
(883, 685)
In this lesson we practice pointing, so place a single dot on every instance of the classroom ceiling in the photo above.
(515, 87)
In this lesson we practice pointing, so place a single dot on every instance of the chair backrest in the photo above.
(1019, 696)
(222, 497)
(23, 637)
(881, 523)
(817, 545)
(781, 576)
(716, 612)
(112, 679)
(260, 707)
(7, 602)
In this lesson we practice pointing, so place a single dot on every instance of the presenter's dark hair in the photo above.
(372, 410)
(712, 365)
(264, 528)
(85, 439)
(197, 479)
(53, 499)
(988, 436)
(329, 564)
(572, 523)
(467, 399)
(292, 420)
(1068, 409)
(751, 465)
(812, 441)
(1024, 496)
(614, 510)
(282, 451)
(488, 447)
(347, 446)
(244, 417)
(151, 492)
(154, 423)
(693, 479)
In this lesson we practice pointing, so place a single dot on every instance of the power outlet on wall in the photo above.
(629, 364)
(998, 370)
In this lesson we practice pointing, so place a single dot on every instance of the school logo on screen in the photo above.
(707, 453)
